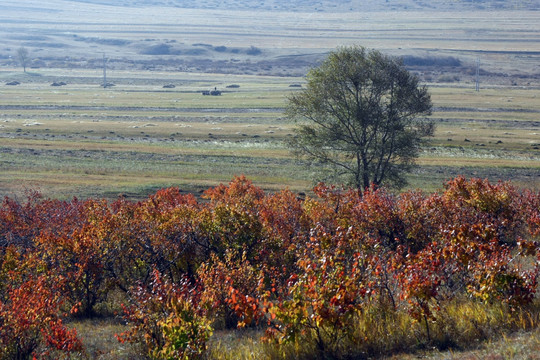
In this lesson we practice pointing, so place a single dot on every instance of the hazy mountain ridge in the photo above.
(277, 38)
(330, 5)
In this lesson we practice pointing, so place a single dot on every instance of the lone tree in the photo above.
(22, 54)
(361, 115)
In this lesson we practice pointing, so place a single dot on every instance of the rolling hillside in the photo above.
(274, 37)
(331, 5)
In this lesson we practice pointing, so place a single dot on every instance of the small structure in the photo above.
(214, 92)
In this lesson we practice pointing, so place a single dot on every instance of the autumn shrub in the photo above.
(231, 289)
(174, 237)
(531, 207)
(286, 228)
(166, 320)
(467, 202)
(79, 258)
(31, 323)
(376, 218)
(415, 254)
(324, 297)
(234, 221)
(337, 274)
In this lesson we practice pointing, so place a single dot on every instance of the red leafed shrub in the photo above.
(240, 191)
(285, 228)
(234, 221)
(478, 201)
(30, 322)
(231, 290)
(325, 295)
(309, 270)
(420, 280)
(531, 206)
(489, 269)
(377, 219)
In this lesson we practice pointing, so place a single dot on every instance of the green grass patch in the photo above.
(82, 140)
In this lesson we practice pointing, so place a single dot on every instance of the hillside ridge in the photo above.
(330, 5)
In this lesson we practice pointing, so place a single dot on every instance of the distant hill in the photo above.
(439, 39)
(330, 5)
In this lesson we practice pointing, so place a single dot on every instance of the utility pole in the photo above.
(477, 74)
(104, 71)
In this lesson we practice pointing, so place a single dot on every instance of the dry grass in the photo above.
(502, 98)
(136, 139)
(515, 346)
(98, 337)
(464, 330)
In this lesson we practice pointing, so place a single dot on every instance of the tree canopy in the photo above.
(361, 118)
(22, 54)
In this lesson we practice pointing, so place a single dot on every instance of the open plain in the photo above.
(137, 136)
(82, 140)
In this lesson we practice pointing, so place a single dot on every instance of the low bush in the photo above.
(340, 274)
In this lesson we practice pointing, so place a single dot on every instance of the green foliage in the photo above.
(22, 55)
(359, 115)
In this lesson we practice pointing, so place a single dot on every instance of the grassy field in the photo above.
(83, 140)
(133, 138)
